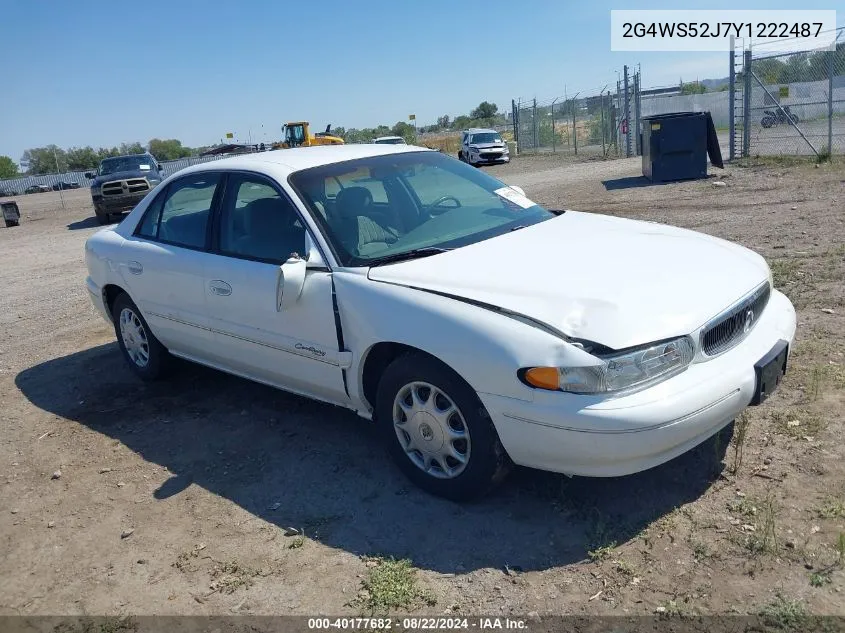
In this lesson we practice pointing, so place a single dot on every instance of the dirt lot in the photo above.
(122, 498)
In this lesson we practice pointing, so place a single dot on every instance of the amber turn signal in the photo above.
(543, 377)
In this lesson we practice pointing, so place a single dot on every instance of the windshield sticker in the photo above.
(511, 195)
(144, 167)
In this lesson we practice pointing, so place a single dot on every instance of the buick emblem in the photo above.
(426, 432)
(749, 320)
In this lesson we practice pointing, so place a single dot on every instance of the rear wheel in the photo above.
(437, 430)
(767, 121)
(140, 348)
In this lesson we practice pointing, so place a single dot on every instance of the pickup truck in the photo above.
(121, 182)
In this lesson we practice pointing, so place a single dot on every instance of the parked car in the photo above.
(121, 182)
(480, 146)
(390, 140)
(474, 327)
(65, 185)
(37, 189)
(8, 193)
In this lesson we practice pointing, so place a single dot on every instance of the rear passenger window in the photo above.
(186, 210)
(149, 225)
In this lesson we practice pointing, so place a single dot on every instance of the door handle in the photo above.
(135, 267)
(220, 288)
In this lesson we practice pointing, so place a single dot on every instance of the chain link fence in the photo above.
(76, 179)
(602, 123)
(789, 103)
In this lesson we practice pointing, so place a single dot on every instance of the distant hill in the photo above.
(713, 85)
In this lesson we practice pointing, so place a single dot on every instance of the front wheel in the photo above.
(767, 121)
(142, 351)
(103, 218)
(437, 430)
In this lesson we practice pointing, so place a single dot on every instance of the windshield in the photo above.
(381, 206)
(295, 134)
(486, 137)
(126, 163)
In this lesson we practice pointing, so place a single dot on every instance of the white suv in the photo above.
(481, 146)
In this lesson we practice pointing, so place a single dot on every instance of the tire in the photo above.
(767, 121)
(126, 315)
(461, 157)
(473, 434)
(795, 118)
(103, 218)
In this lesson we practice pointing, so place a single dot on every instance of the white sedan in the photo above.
(474, 327)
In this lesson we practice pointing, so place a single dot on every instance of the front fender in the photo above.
(484, 347)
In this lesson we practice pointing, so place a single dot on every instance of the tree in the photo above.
(82, 158)
(693, 88)
(485, 111)
(169, 149)
(43, 160)
(443, 121)
(405, 130)
(8, 168)
(132, 148)
(461, 122)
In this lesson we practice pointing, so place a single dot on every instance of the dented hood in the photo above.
(613, 281)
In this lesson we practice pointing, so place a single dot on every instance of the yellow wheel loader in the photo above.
(298, 134)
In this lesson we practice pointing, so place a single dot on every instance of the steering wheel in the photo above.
(436, 205)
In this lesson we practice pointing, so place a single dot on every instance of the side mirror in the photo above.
(89, 174)
(313, 256)
(290, 281)
(519, 190)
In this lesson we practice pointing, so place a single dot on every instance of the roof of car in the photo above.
(477, 130)
(299, 158)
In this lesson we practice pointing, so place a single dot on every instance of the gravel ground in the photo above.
(211, 495)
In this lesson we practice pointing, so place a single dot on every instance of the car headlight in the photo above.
(631, 370)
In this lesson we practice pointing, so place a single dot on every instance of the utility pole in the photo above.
(61, 192)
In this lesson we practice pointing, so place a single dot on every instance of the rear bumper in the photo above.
(582, 435)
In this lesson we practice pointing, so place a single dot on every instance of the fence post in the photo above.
(626, 117)
(534, 125)
(603, 128)
(746, 102)
(515, 122)
(574, 129)
(830, 55)
(732, 102)
(636, 113)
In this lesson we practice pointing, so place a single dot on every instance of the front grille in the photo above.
(730, 328)
(137, 185)
(492, 156)
(124, 187)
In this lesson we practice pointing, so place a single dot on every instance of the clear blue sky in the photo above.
(102, 72)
